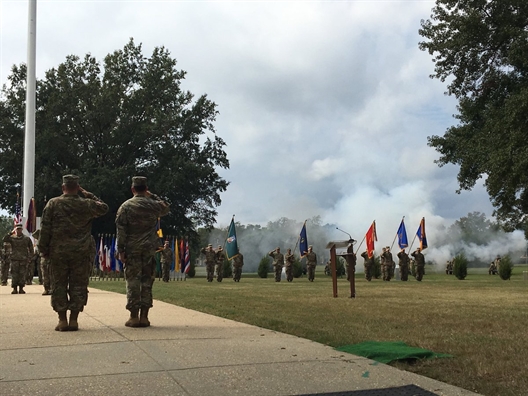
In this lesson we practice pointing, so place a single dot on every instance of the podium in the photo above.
(333, 245)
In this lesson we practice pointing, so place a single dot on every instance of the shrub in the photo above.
(297, 268)
(228, 269)
(264, 267)
(505, 268)
(460, 266)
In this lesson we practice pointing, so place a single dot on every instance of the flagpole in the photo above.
(396, 234)
(29, 141)
(363, 240)
(299, 238)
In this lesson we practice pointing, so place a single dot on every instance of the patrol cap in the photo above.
(70, 180)
(19, 225)
(210, 245)
(138, 181)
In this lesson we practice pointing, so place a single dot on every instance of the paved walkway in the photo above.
(184, 352)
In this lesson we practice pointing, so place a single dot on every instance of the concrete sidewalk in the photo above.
(184, 352)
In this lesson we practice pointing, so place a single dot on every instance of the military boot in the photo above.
(15, 291)
(73, 325)
(133, 321)
(143, 318)
(21, 290)
(63, 322)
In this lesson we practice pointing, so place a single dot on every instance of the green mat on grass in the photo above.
(386, 352)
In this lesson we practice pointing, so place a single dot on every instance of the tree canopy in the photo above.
(480, 47)
(109, 121)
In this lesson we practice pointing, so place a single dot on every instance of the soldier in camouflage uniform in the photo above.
(220, 263)
(5, 259)
(311, 263)
(137, 241)
(34, 263)
(238, 263)
(210, 261)
(404, 265)
(420, 263)
(289, 259)
(21, 255)
(278, 263)
(386, 263)
(368, 265)
(65, 240)
(166, 261)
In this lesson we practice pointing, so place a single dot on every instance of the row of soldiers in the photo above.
(388, 265)
(286, 261)
(215, 259)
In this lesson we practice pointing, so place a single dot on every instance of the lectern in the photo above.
(333, 257)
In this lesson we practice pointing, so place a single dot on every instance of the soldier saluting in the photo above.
(278, 263)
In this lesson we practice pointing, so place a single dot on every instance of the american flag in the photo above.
(18, 215)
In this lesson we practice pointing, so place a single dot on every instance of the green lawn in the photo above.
(482, 320)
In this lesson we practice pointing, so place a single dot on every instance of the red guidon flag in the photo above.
(371, 237)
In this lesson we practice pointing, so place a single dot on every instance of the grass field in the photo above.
(482, 320)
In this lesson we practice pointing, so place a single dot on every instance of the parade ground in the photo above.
(184, 352)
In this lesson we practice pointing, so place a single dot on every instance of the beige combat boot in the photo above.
(73, 325)
(143, 318)
(133, 321)
(63, 322)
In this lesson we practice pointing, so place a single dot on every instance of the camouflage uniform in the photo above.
(137, 241)
(34, 263)
(368, 265)
(238, 263)
(311, 263)
(65, 243)
(289, 259)
(210, 261)
(21, 255)
(6, 262)
(351, 260)
(166, 262)
(492, 268)
(420, 264)
(386, 264)
(449, 267)
(404, 265)
(220, 264)
(278, 263)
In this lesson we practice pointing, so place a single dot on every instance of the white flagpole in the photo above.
(29, 144)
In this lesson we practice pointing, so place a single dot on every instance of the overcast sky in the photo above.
(325, 106)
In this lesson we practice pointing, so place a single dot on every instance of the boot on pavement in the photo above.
(63, 322)
(21, 290)
(73, 325)
(143, 318)
(15, 291)
(133, 321)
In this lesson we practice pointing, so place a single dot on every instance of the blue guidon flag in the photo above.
(303, 241)
(421, 234)
(402, 236)
(231, 248)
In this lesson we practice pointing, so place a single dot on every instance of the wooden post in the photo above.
(333, 269)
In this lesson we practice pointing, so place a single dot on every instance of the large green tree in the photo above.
(112, 120)
(480, 47)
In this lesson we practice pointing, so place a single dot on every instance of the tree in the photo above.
(6, 225)
(264, 267)
(481, 48)
(474, 228)
(460, 266)
(107, 122)
(505, 268)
